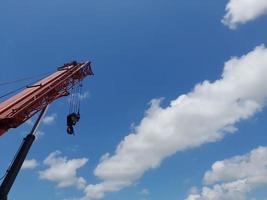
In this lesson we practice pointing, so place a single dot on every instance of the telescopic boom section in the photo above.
(19, 108)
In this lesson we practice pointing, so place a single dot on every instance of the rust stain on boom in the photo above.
(19, 108)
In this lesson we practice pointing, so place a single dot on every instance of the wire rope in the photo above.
(24, 79)
(25, 86)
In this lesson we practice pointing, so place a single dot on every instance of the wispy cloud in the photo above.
(84, 95)
(63, 171)
(233, 178)
(145, 192)
(30, 164)
(29, 122)
(242, 11)
(39, 134)
(204, 115)
(47, 120)
(81, 96)
(50, 119)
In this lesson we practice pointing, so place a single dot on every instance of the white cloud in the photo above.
(227, 191)
(204, 115)
(84, 95)
(233, 178)
(63, 171)
(47, 120)
(242, 11)
(50, 119)
(39, 134)
(145, 192)
(80, 96)
(29, 164)
(193, 190)
(29, 122)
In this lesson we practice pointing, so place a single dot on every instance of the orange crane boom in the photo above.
(19, 108)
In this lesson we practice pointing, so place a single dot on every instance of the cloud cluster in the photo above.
(233, 178)
(204, 115)
(63, 171)
(29, 164)
(242, 11)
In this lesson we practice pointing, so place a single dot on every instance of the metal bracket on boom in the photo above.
(16, 165)
(32, 86)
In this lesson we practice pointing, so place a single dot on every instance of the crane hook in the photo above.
(72, 119)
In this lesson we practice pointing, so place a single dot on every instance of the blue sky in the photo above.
(141, 50)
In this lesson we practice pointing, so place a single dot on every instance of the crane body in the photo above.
(19, 108)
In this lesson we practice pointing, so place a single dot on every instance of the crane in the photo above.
(19, 108)
(36, 98)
